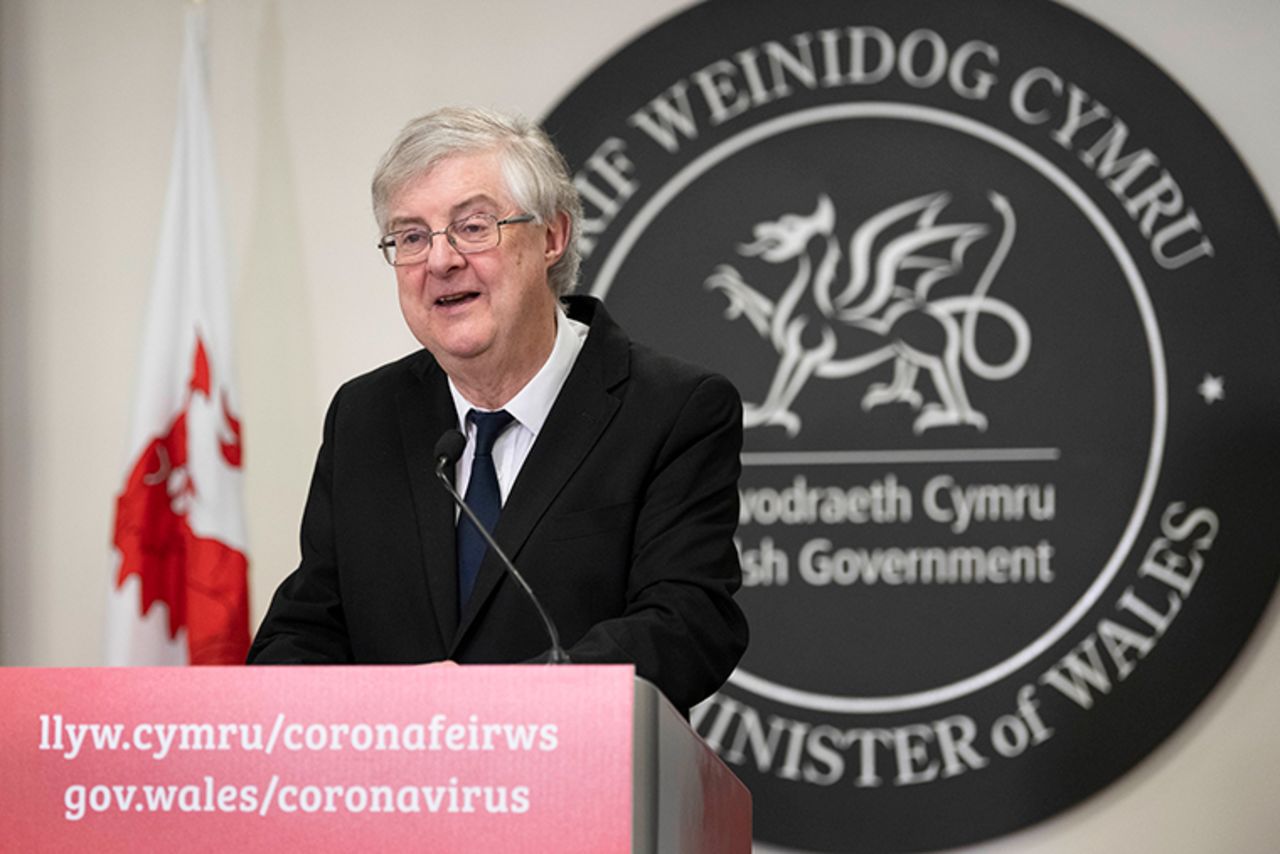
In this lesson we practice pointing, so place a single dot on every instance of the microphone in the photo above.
(448, 449)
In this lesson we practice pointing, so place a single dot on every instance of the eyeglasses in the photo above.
(474, 233)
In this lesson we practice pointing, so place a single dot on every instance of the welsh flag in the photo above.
(179, 592)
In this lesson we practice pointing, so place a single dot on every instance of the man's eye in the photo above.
(473, 228)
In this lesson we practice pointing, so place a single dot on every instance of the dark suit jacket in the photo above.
(621, 520)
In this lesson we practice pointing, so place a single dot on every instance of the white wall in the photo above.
(306, 93)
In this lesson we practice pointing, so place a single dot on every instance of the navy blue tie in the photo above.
(483, 496)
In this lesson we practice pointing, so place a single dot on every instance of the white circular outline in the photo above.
(930, 115)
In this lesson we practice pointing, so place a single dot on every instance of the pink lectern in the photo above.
(429, 758)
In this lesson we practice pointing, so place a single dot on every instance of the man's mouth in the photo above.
(451, 300)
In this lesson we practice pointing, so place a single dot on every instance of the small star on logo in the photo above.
(1211, 388)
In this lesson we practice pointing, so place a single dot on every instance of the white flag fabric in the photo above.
(179, 590)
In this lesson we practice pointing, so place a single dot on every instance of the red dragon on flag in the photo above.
(159, 517)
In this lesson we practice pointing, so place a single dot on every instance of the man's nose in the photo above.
(442, 257)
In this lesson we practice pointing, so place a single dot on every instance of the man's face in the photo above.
(488, 314)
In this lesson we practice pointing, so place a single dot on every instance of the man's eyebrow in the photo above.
(399, 222)
(463, 207)
(479, 199)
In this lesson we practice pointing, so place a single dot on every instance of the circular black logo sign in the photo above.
(1001, 304)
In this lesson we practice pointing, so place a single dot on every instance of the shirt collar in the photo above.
(532, 404)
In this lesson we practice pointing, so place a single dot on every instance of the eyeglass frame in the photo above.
(386, 243)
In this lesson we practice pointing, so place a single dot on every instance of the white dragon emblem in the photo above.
(886, 310)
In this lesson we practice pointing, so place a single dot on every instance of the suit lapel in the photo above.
(426, 412)
(582, 411)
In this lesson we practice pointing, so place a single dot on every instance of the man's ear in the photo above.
(557, 238)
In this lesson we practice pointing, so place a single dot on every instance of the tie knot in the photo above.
(489, 426)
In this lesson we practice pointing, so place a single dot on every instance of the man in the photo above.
(616, 468)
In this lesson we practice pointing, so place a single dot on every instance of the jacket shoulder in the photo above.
(386, 380)
(643, 367)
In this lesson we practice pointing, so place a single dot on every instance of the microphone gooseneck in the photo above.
(448, 450)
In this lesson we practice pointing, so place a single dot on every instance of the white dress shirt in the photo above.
(529, 407)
